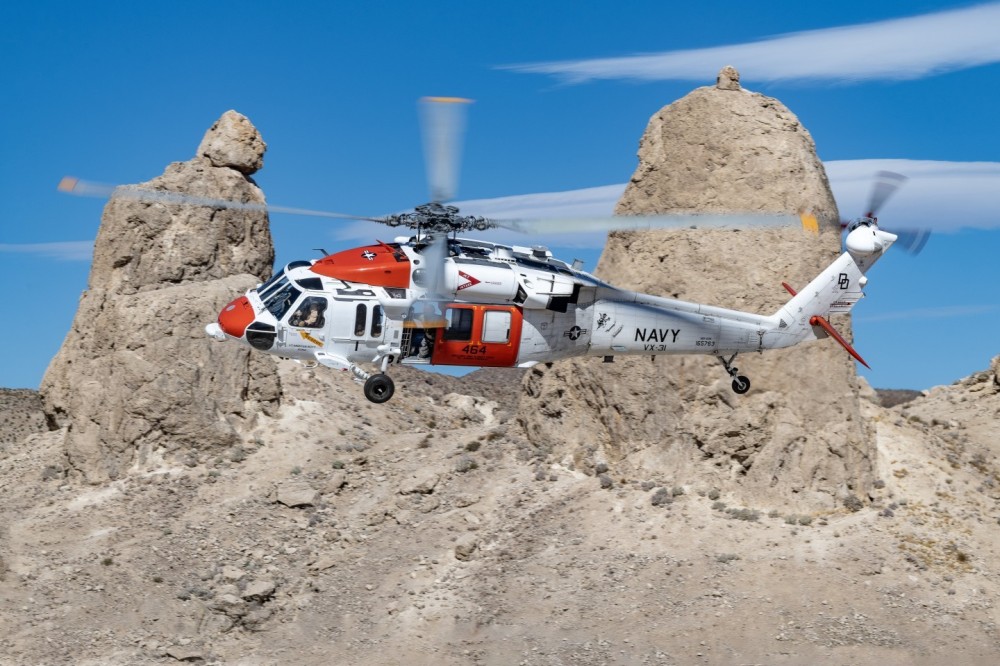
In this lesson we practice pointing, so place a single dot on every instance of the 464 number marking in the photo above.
(474, 349)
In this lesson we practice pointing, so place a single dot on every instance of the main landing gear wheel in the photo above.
(379, 388)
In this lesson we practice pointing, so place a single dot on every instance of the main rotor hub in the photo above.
(436, 216)
(866, 221)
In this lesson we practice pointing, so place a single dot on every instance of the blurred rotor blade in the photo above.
(885, 185)
(911, 241)
(443, 124)
(84, 188)
(435, 253)
(573, 225)
(429, 274)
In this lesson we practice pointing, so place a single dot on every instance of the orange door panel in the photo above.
(480, 335)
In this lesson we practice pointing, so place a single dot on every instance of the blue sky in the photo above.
(113, 92)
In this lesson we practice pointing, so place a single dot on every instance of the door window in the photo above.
(459, 324)
(496, 326)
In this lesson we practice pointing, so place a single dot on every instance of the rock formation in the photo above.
(136, 376)
(798, 434)
(340, 531)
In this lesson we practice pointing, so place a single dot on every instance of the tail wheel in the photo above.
(379, 388)
(741, 384)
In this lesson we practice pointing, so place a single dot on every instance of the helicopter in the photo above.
(435, 298)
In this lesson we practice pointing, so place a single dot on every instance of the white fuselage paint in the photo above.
(598, 319)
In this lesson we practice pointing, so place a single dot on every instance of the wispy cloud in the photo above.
(947, 311)
(63, 251)
(940, 196)
(896, 49)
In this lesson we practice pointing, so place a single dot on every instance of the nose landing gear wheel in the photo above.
(741, 384)
(379, 388)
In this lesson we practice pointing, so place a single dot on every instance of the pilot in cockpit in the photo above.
(309, 315)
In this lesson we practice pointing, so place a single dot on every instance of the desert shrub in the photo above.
(465, 463)
(745, 514)
(853, 504)
(661, 498)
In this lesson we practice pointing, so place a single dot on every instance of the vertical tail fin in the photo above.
(834, 290)
(819, 320)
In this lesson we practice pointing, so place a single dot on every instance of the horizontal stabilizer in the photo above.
(817, 320)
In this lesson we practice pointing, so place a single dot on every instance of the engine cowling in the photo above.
(475, 281)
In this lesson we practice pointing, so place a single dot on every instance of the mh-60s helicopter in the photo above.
(433, 298)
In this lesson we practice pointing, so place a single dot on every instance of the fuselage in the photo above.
(474, 303)
(495, 305)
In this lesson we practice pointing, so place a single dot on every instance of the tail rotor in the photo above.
(886, 184)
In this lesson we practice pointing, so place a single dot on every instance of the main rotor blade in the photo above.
(885, 185)
(75, 186)
(435, 254)
(443, 124)
(571, 225)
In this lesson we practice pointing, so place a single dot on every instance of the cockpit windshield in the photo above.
(278, 295)
(264, 288)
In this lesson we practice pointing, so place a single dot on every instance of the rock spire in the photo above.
(136, 378)
(797, 436)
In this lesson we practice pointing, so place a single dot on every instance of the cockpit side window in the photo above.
(310, 313)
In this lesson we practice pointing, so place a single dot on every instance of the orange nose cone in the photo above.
(236, 316)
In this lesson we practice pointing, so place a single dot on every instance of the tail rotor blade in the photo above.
(912, 241)
(886, 184)
(443, 126)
